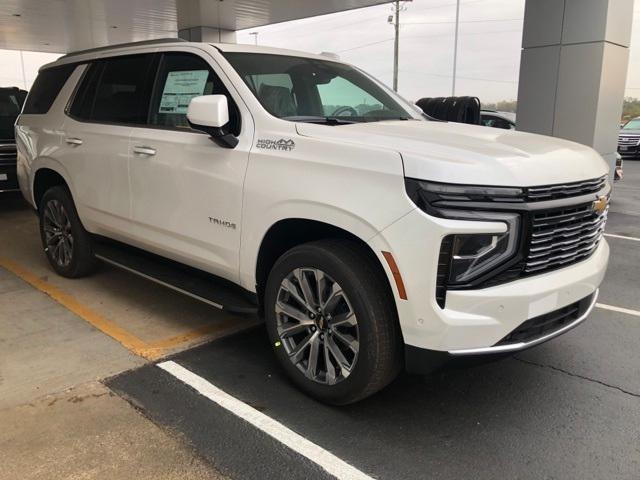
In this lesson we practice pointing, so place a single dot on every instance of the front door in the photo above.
(187, 190)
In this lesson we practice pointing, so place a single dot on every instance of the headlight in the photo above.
(467, 257)
(474, 255)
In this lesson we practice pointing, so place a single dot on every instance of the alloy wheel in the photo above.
(57, 233)
(317, 326)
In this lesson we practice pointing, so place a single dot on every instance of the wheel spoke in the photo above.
(334, 297)
(50, 215)
(321, 285)
(297, 355)
(344, 320)
(67, 251)
(292, 312)
(345, 366)
(348, 340)
(290, 329)
(303, 281)
(331, 371)
(293, 291)
(314, 351)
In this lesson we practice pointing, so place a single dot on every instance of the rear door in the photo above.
(187, 190)
(112, 97)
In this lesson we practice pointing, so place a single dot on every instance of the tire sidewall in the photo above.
(310, 257)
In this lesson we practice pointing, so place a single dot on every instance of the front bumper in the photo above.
(474, 321)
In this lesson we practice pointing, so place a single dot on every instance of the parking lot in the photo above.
(569, 408)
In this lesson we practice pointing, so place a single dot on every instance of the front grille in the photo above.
(562, 237)
(565, 190)
(542, 325)
(628, 141)
(8, 153)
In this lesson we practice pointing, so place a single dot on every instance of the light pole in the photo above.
(455, 50)
(396, 47)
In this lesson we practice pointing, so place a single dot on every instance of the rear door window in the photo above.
(46, 88)
(123, 90)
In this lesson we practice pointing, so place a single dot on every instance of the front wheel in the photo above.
(65, 241)
(332, 321)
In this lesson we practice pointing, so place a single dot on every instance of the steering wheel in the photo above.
(346, 108)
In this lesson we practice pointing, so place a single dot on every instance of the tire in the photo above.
(378, 358)
(65, 241)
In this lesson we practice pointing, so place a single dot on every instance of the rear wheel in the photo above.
(66, 243)
(332, 321)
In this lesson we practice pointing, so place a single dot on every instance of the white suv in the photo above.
(370, 237)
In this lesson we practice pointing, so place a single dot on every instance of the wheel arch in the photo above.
(43, 179)
(290, 232)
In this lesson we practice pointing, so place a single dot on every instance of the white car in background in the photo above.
(298, 187)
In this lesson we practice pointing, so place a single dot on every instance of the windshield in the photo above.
(11, 100)
(632, 125)
(310, 90)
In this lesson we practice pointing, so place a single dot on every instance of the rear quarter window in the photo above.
(46, 88)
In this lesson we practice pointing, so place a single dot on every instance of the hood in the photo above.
(630, 131)
(470, 154)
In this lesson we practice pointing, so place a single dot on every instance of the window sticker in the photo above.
(180, 88)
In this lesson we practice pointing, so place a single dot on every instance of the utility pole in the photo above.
(455, 50)
(24, 76)
(396, 47)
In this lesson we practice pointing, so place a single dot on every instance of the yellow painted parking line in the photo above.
(149, 350)
(127, 339)
(173, 342)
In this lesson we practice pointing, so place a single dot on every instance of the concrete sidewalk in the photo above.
(90, 433)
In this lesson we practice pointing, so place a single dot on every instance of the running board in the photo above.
(190, 281)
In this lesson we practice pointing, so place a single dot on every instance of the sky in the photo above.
(488, 52)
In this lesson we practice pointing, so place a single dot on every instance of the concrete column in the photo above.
(573, 70)
(206, 21)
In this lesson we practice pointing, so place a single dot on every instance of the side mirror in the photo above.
(209, 114)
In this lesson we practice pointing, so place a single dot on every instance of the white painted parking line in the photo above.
(326, 460)
(622, 237)
(628, 311)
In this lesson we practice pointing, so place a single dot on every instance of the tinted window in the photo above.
(181, 77)
(11, 100)
(85, 95)
(124, 90)
(46, 88)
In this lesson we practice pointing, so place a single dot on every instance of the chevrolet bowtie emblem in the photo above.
(600, 205)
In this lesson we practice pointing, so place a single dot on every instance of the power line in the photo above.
(458, 76)
(424, 36)
(465, 21)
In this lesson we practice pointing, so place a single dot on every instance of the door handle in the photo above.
(140, 150)
(73, 141)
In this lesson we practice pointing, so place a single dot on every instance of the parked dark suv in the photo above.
(11, 100)
(629, 139)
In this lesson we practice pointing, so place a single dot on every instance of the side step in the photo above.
(190, 281)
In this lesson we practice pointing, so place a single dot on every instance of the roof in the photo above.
(101, 52)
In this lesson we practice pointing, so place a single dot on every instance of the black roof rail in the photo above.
(157, 41)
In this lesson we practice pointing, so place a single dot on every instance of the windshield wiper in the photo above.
(320, 120)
